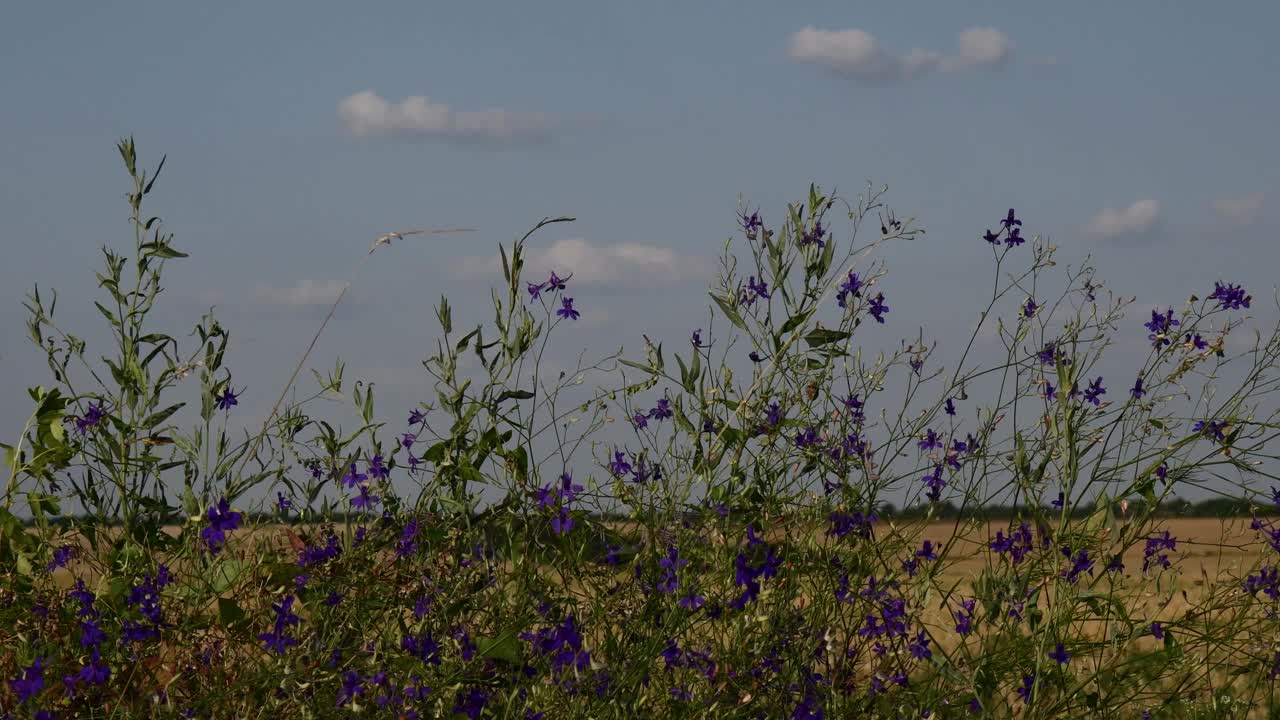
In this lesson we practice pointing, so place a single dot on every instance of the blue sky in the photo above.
(1142, 133)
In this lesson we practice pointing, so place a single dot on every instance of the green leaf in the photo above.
(795, 321)
(514, 395)
(820, 337)
(727, 308)
(503, 647)
(229, 612)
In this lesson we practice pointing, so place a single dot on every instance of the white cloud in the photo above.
(366, 114)
(619, 263)
(306, 293)
(1127, 224)
(856, 53)
(1240, 208)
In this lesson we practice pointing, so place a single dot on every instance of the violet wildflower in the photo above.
(354, 477)
(1029, 308)
(753, 291)
(991, 237)
(278, 639)
(567, 310)
(949, 407)
(850, 287)
(1157, 631)
(755, 357)
(1214, 429)
(1195, 341)
(1028, 687)
(640, 420)
(935, 483)
(878, 308)
(555, 282)
(1229, 296)
(1010, 220)
(964, 616)
(1050, 392)
(91, 418)
(814, 235)
(1059, 655)
(228, 399)
(221, 520)
(696, 339)
(670, 564)
(619, 466)
(1094, 391)
(930, 441)
(1014, 238)
(31, 682)
(1155, 551)
(1161, 326)
(61, 556)
(377, 470)
(416, 417)
(365, 500)
(807, 437)
(535, 290)
(662, 411)
(562, 523)
(750, 223)
(1137, 391)
(283, 503)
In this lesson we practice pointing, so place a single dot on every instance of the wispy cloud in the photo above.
(367, 114)
(631, 264)
(305, 293)
(859, 55)
(1239, 209)
(1133, 224)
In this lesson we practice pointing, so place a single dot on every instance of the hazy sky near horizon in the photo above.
(1142, 134)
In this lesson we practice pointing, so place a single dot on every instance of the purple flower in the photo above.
(1230, 297)
(535, 290)
(640, 420)
(1155, 551)
(354, 477)
(662, 411)
(619, 466)
(935, 483)
(1010, 220)
(1028, 687)
(692, 601)
(850, 287)
(964, 616)
(670, 564)
(91, 418)
(696, 339)
(1050, 392)
(1014, 238)
(417, 416)
(1094, 391)
(31, 682)
(1157, 631)
(1214, 429)
(283, 503)
(562, 523)
(1060, 655)
(277, 639)
(814, 235)
(228, 399)
(1137, 391)
(365, 500)
(991, 237)
(1029, 308)
(1080, 563)
(930, 441)
(221, 520)
(555, 282)
(1196, 341)
(61, 556)
(1161, 326)
(754, 289)
(878, 308)
(750, 223)
(566, 309)
(949, 407)
(377, 470)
